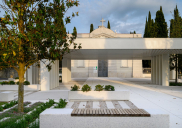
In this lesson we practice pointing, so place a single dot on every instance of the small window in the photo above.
(124, 63)
(81, 64)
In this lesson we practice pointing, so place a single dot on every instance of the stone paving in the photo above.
(142, 93)
(102, 104)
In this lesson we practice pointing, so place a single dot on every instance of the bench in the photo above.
(110, 112)
(62, 118)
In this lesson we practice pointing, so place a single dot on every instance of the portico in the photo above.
(155, 49)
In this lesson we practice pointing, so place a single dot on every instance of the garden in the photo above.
(10, 118)
(98, 87)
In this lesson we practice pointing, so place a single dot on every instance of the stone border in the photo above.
(98, 95)
(33, 87)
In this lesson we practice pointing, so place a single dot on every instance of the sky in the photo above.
(124, 16)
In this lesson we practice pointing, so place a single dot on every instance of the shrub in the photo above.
(4, 83)
(86, 88)
(1, 108)
(99, 87)
(11, 82)
(25, 83)
(75, 88)
(16, 77)
(109, 88)
(62, 104)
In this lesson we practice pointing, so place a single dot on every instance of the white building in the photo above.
(106, 68)
(106, 53)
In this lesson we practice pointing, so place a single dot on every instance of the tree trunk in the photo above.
(176, 67)
(21, 87)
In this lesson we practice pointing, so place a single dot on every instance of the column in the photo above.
(57, 73)
(154, 70)
(152, 78)
(45, 79)
(30, 74)
(66, 70)
(157, 70)
(25, 75)
(160, 70)
(165, 70)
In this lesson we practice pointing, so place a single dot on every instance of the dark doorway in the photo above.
(102, 68)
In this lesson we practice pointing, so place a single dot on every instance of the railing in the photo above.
(146, 70)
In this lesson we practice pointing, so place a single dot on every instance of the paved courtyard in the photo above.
(142, 93)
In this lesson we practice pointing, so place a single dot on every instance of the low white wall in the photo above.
(56, 118)
(98, 95)
(33, 87)
(146, 75)
(6, 96)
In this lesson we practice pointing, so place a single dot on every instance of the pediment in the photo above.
(103, 35)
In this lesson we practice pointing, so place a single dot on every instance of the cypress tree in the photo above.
(149, 25)
(108, 25)
(171, 28)
(146, 28)
(176, 24)
(91, 28)
(162, 31)
(75, 31)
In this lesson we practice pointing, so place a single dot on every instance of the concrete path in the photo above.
(142, 93)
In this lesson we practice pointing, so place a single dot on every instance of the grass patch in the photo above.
(1, 103)
(175, 84)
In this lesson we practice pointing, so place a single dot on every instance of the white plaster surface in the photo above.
(61, 118)
(6, 96)
(34, 87)
(99, 95)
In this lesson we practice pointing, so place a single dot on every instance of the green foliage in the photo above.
(108, 25)
(24, 83)
(1, 108)
(91, 28)
(99, 87)
(11, 82)
(176, 25)
(75, 88)
(62, 103)
(34, 30)
(86, 88)
(75, 31)
(11, 104)
(7, 83)
(162, 31)
(4, 83)
(157, 28)
(1, 103)
(16, 77)
(175, 84)
(109, 88)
